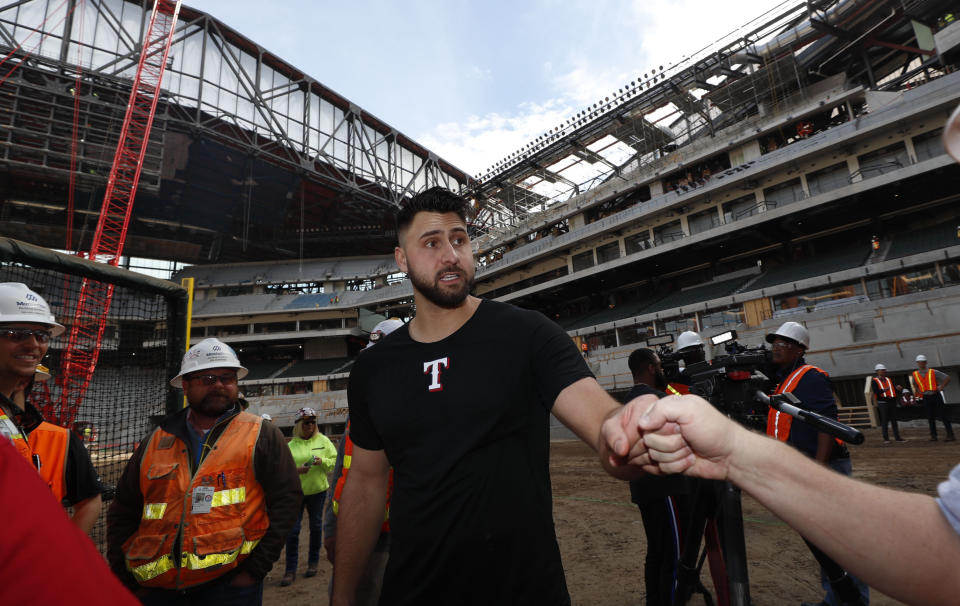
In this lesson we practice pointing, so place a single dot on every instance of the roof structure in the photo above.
(249, 158)
(662, 114)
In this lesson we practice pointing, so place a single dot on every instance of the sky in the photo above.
(473, 81)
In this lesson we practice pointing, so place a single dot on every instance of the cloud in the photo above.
(648, 34)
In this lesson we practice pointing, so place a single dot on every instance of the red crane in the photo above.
(93, 304)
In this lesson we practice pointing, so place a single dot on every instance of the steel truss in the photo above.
(762, 66)
(218, 85)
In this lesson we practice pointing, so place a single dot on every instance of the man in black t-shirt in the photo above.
(664, 502)
(458, 402)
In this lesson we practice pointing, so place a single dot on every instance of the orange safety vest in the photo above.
(47, 444)
(181, 543)
(342, 480)
(778, 424)
(923, 386)
(886, 387)
(677, 389)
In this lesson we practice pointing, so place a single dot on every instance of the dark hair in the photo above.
(435, 200)
(640, 359)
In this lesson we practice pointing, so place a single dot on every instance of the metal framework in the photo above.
(218, 86)
(760, 68)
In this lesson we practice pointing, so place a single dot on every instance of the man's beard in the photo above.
(437, 294)
(660, 381)
(212, 405)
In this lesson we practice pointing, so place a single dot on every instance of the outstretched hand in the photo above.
(685, 434)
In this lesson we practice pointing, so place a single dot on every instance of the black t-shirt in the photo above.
(464, 423)
(83, 482)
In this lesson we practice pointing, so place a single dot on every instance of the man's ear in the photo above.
(401, 258)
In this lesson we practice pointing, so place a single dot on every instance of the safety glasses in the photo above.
(18, 335)
(211, 379)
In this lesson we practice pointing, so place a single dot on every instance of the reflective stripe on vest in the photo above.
(778, 424)
(231, 496)
(342, 480)
(206, 544)
(10, 429)
(924, 386)
(886, 387)
(152, 570)
(677, 389)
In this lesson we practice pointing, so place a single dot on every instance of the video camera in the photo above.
(731, 381)
(670, 360)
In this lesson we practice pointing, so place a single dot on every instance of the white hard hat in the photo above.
(921, 358)
(20, 304)
(209, 353)
(688, 339)
(793, 331)
(304, 413)
(951, 135)
(383, 329)
(266, 417)
(879, 367)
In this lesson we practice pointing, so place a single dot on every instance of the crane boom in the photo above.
(93, 305)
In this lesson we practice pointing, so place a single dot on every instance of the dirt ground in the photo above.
(602, 540)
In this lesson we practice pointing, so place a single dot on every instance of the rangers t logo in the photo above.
(433, 369)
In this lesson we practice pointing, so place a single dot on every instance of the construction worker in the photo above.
(368, 587)
(927, 384)
(886, 395)
(314, 454)
(26, 327)
(205, 503)
(811, 385)
(665, 502)
(690, 348)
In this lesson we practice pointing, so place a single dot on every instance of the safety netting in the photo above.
(112, 404)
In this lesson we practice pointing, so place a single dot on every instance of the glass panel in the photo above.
(583, 260)
(608, 252)
(746, 206)
(668, 232)
(634, 334)
(702, 221)
(637, 242)
(723, 317)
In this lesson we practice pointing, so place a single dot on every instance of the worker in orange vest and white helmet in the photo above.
(26, 328)
(207, 500)
(928, 385)
(691, 349)
(886, 395)
(368, 591)
(811, 385)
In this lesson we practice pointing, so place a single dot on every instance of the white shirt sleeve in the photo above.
(949, 500)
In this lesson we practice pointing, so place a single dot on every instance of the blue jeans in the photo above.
(846, 468)
(313, 503)
(214, 593)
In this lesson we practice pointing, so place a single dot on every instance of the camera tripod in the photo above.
(716, 520)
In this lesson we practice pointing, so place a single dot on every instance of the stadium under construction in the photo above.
(793, 170)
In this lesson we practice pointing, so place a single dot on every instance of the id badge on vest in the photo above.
(202, 499)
